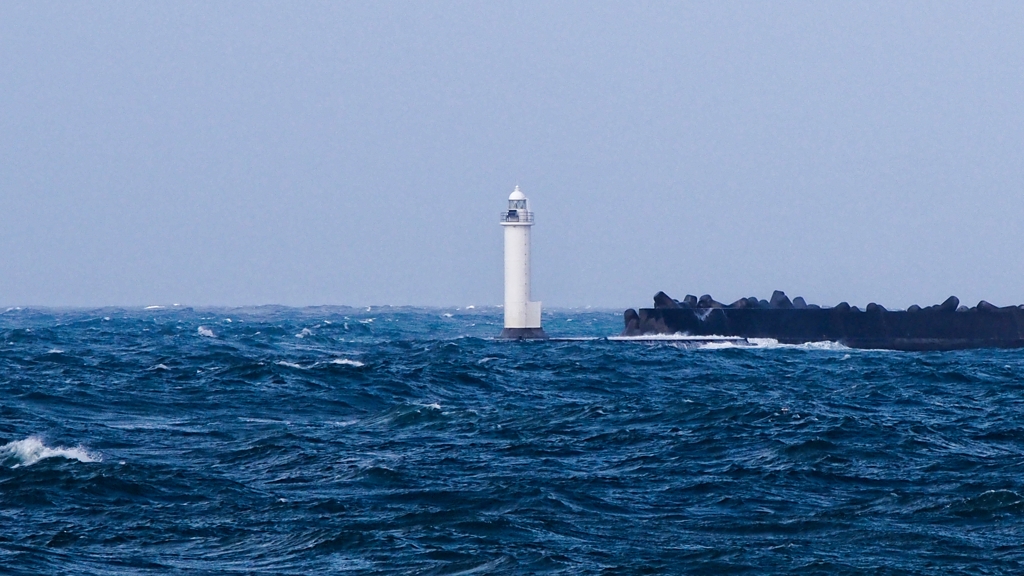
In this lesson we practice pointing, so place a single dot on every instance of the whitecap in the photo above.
(347, 362)
(367, 321)
(31, 450)
(204, 331)
(470, 307)
(54, 351)
(288, 364)
(264, 421)
(160, 367)
(343, 423)
(447, 315)
(305, 332)
(773, 344)
(676, 338)
(154, 308)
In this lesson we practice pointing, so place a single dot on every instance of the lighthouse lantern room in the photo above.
(522, 317)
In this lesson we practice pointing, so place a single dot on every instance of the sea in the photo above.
(398, 440)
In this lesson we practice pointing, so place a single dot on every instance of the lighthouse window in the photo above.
(517, 204)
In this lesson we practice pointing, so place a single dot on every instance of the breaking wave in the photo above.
(31, 450)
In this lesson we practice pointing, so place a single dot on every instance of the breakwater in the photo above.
(945, 326)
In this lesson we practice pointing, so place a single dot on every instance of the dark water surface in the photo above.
(399, 440)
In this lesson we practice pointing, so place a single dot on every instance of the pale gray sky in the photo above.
(359, 153)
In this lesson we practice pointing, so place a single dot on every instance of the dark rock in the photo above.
(799, 303)
(753, 303)
(914, 308)
(842, 307)
(986, 307)
(662, 300)
(950, 305)
(813, 307)
(964, 309)
(741, 304)
(632, 322)
(690, 300)
(762, 303)
(780, 300)
(855, 309)
(874, 308)
(706, 301)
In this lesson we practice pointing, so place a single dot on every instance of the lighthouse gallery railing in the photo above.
(516, 216)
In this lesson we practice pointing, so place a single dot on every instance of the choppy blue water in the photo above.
(398, 440)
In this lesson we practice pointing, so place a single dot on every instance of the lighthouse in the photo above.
(522, 317)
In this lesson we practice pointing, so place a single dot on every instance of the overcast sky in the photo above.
(359, 153)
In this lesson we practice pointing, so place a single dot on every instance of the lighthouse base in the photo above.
(523, 334)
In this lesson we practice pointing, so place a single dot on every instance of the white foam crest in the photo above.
(289, 364)
(54, 351)
(347, 362)
(305, 332)
(773, 344)
(343, 423)
(715, 342)
(676, 338)
(204, 331)
(724, 345)
(31, 450)
(154, 307)
(265, 421)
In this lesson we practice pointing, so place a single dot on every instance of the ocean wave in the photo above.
(32, 449)
(717, 342)
(204, 331)
(667, 338)
(416, 445)
(347, 362)
(773, 344)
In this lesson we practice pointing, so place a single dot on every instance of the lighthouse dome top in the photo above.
(517, 194)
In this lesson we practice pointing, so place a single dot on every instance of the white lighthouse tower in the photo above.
(522, 317)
